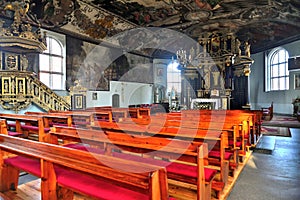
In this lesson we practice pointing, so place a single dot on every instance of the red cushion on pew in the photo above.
(11, 124)
(12, 133)
(141, 159)
(93, 186)
(84, 148)
(190, 171)
(29, 165)
(33, 128)
(216, 154)
(237, 144)
(57, 124)
(81, 123)
(176, 168)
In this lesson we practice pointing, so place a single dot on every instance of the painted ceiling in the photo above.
(262, 23)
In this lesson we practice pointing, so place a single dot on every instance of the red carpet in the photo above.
(283, 121)
(276, 131)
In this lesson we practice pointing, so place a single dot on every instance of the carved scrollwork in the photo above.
(19, 89)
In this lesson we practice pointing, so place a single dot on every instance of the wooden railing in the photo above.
(21, 88)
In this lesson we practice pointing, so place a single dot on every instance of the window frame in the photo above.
(269, 57)
(61, 40)
(174, 73)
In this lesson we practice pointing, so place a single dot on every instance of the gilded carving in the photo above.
(11, 62)
(19, 35)
(17, 88)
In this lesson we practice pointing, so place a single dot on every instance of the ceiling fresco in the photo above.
(264, 23)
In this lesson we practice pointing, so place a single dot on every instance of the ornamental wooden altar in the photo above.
(213, 66)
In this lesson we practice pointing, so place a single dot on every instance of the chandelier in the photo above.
(191, 57)
(182, 58)
(222, 49)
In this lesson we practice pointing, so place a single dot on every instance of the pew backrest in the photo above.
(26, 124)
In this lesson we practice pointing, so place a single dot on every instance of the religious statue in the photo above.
(237, 47)
(206, 79)
(216, 76)
(24, 62)
(20, 9)
(247, 49)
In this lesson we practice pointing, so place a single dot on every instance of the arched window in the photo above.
(174, 80)
(52, 63)
(277, 73)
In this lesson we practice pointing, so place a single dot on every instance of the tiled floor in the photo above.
(273, 176)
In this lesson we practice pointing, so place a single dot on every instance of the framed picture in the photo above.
(94, 96)
(297, 81)
(160, 71)
(78, 102)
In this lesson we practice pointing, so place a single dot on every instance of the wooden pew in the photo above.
(117, 113)
(23, 125)
(229, 126)
(254, 123)
(238, 114)
(267, 112)
(64, 171)
(79, 118)
(216, 140)
(51, 119)
(218, 158)
(150, 147)
(134, 113)
(144, 112)
(103, 116)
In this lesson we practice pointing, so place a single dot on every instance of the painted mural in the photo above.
(95, 65)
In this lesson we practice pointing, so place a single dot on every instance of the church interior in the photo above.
(148, 99)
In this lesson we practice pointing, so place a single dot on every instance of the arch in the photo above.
(115, 100)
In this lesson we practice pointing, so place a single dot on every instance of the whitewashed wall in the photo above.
(130, 93)
(282, 99)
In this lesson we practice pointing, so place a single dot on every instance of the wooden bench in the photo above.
(117, 113)
(64, 171)
(51, 119)
(23, 125)
(267, 112)
(219, 158)
(233, 115)
(189, 171)
(234, 128)
(216, 140)
(79, 118)
(231, 128)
